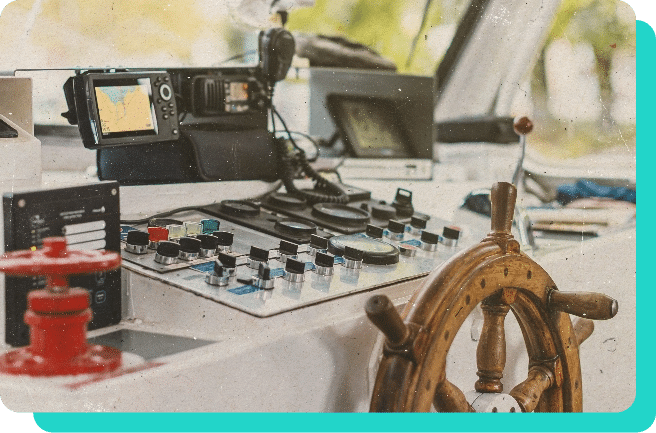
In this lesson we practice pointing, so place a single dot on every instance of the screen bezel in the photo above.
(336, 105)
(87, 115)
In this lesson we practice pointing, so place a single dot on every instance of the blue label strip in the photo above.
(412, 243)
(124, 231)
(244, 290)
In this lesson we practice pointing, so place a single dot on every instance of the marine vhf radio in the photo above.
(181, 124)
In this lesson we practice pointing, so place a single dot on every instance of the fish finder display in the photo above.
(125, 108)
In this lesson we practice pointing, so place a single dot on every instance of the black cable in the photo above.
(162, 214)
(330, 193)
(312, 140)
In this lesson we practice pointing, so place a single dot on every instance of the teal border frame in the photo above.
(638, 417)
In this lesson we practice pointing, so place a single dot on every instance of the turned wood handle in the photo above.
(383, 314)
(583, 328)
(528, 393)
(491, 349)
(502, 198)
(590, 305)
(449, 398)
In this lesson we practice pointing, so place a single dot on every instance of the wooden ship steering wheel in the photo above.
(495, 273)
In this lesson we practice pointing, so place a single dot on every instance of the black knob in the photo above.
(353, 254)
(228, 260)
(295, 266)
(137, 237)
(318, 242)
(325, 260)
(208, 242)
(168, 249)
(418, 222)
(374, 231)
(288, 248)
(259, 254)
(396, 226)
(225, 239)
(263, 279)
(451, 233)
(190, 245)
(430, 238)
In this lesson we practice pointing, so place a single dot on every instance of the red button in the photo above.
(158, 234)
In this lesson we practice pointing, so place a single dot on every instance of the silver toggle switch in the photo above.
(218, 277)
(294, 271)
(324, 264)
(352, 258)
(263, 278)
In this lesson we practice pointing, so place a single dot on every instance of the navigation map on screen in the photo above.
(125, 108)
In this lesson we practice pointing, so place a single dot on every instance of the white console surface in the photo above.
(192, 348)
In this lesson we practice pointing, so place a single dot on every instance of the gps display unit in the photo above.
(124, 108)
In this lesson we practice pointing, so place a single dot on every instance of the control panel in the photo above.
(275, 255)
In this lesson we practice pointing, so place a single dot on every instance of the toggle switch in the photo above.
(450, 236)
(417, 224)
(324, 264)
(229, 263)
(136, 242)
(294, 271)
(287, 250)
(263, 278)
(256, 256)
(403, 203)
(352, 258)
(429, 241)
(219, 276)
(189, 248)
(396, 230)
(374, 231)
(208, 244)
(225, 241)
(317, 244)
(167, 252)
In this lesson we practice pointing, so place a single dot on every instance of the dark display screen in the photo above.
(371, 126)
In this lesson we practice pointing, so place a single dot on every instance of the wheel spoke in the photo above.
(449, 398)
(528, 393)
(583, 328)
(491, 350)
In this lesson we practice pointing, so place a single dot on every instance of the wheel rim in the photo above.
(410, 380)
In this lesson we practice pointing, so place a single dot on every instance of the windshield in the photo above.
(578, 83)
